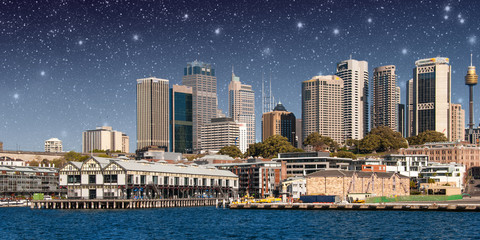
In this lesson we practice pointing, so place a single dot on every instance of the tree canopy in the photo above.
(271, 147)
(231, 150)
(319, 142)
(75, 157)
(381, 139)
(427, 136)
(344, 154)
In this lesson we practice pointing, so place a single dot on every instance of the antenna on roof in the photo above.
(471, 59)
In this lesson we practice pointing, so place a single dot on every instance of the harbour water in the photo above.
(213, 223)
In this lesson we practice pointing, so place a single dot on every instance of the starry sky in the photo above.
(69, 66)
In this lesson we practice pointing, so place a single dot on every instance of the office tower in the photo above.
(279, 122)
(409, 111)
(299, 133)
(386, 97)
(201, 78)
(104, 138)
(267, 96)
(53, 145)
(322, 107)
(401, 119)
(152, 113)
(243, 137)
(181, 119)
(355, 97)
(220, 132)
(241, 105)
(471, 79)
(431, 96)
(457, 123)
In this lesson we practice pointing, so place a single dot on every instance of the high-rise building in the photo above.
(409, 111)
(279, 122)
(53, 145)
(457, 123)
(299, 132)
(221, 132)
(431, 96)
(201, 78)
(401, 119)
(471, 79)
(241, 105)
(355, 97)
(152, 113)
(181, 123)
(104, 138)
(322, 107)
(385, 99)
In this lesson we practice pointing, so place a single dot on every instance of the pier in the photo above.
(373, 206)
(123, 203)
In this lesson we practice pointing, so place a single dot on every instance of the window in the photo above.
(92, 179)
(165, 181)
(130, 179)
(185, 182)
(142, 179)
(110, 178)
(73, 179)
(155, 180)
(177, 181)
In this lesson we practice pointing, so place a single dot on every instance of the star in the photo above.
(136, 37)
(300, 25)
(336, 31)
(16, 96)
(447, 8)
(42, 73)
(185, 17)
(369, 20)
(404, 51)
(80, 42)
(217, 31)
(472, 39)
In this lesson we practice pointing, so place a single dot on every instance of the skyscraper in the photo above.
(104, 138)
(201, 78)
(431, 96)
(458, 122)
(386, 97)
(409, 111)
(181, 119)
(279, 122)
(355, 97)
(221, 132)
(471, 79)
(322, 107)
(241, 105)
(152, 113)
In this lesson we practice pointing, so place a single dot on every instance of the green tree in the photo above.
(75, 157)
(343, 154)
(319, 142)
(427, 136)
(369, 143)
(232, 151)
(271, 147)
(255, 150)
(390, 140)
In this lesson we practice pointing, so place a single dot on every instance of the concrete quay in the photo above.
(368, 206)
(122, 203)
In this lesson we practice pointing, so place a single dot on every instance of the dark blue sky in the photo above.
(68, 66)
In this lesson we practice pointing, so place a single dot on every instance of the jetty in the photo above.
(124, 203)
(363, 206)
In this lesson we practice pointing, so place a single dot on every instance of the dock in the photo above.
(359, 207)
(123, 203)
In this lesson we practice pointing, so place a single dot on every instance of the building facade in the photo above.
(105, 138)
(406, 165)
(241, 106)
(431, 96)
(409, 110)
(452, 174)
(25, 181)
(457, 124)
(279, 122)
(152, 113)
(220, 132)
(322, 107)
(386, 97)
(300, 164)
(53, 145)
(355, 97)
(201, 78)
(181, 119)
(107, 178)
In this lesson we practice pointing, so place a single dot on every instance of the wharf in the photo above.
(367, 206)
(122, 203)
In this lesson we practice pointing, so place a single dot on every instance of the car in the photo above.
(47, 197)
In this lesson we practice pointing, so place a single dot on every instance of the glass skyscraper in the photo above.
(181, 115)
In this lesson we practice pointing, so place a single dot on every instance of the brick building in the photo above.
(341, 183)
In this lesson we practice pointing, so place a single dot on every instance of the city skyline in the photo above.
(71, 67)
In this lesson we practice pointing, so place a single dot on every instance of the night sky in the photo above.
(69, 66)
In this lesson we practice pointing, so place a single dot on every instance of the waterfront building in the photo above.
(221, 132)
(386, 97)
(473, 136)
(447, 152)
(181, 119)
(431, 96)
(294, 187)
(104, 138)
(257, 179)
(214, 159)
(126, 179)
(457, 124)
(406, 165)
(452, 174)
(355, 97)
(279, 122)
(409, 111)
(26, 180)
(7, 161)
(201, 78)
(322, 107)
(152, 113)
(343, 183)
(241, 106)
(53, 145)
(300, 164)
(155, 154)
